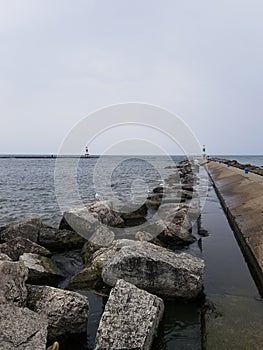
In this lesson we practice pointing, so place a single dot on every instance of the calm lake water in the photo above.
(27, 185)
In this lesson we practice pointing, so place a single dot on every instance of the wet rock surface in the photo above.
(130, 319)
(66, 311)
(21, 329)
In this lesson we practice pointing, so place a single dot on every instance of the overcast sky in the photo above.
(61, 60)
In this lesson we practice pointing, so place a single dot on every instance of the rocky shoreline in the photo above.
(138, 268)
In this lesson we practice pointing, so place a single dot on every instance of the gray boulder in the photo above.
(102, 237)
(42, 270)
(86, 220)
(4, 257)
(90, 276)
(157, 270)
(12, 282)
(60, 240)
(27, 229)
(80, 220)
(66, 311)
(21, 329)
(19, 245)
(130, 319)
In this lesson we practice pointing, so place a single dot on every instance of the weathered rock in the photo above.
(90, 276)
(80, 220)
(130, 319)
(157, 270)
(175, 234)
(102, 237)
(105, 213)
(60, 240)
(12, 282)
(143, 236)
(28, 229)
(19, 245)
(175, 226)
(66, 311)
(42, 270)
(4, 257)
(21, 329)
(88, 250)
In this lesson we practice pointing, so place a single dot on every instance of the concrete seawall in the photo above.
(242, 198)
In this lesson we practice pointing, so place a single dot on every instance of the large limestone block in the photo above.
(130, 319)
(157, 270)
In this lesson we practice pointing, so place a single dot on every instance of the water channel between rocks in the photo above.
(226, 274)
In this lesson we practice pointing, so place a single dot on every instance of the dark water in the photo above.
(27, 189)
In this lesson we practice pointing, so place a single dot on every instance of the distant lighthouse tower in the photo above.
(87, 152)
(204, 154)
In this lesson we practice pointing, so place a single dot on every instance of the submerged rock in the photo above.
(157, 270)
(42, 270)
(19, 245)
(28, 229)
(13, 276)
(66, 311)
(21, 329)
(60, 240)
(130, 319)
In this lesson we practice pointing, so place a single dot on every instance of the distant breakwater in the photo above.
(252, 168)
(43, 156)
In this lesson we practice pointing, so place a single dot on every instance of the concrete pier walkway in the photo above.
(242, 198)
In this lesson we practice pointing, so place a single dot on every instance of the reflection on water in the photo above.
(180, 328)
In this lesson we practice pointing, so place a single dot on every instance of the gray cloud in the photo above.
(60, 61)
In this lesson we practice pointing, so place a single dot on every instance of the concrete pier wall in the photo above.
(242, 198)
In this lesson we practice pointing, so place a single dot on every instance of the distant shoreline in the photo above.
(51, 156)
